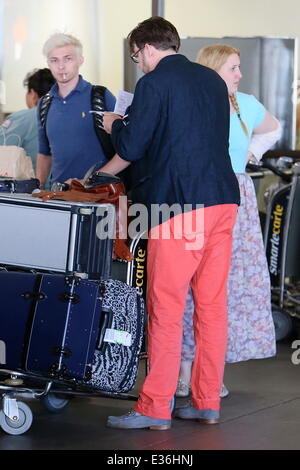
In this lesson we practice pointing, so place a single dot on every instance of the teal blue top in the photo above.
(24, 124)
(252, 114)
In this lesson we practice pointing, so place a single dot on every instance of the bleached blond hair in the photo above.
(61, 40)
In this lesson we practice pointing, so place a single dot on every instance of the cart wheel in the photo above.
(283, 324)
(19, 426)
(55, 403)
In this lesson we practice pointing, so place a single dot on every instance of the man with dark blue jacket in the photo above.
(176, 140)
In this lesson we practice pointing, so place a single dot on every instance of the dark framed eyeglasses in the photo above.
(134, 55)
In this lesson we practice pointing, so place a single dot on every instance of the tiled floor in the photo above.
(262, 412)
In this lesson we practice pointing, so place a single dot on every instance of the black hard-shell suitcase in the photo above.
(71, 328)
(17, 305)
(65, 327)
(9, 185)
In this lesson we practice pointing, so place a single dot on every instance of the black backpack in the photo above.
(98, 104)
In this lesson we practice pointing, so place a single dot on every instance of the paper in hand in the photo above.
(123, 101)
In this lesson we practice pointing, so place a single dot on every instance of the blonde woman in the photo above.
(253, 130)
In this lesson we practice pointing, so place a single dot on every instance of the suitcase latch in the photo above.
(58, 351)
(33, 296)
(67, 297)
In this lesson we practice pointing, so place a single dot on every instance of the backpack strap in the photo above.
(98, 104)
(44, 108)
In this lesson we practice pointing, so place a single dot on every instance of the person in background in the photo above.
(68, 142)
(21, 128)
(253, 130)
(169, 138)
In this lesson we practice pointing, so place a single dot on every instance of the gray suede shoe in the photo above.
(203, 416)
(135, 420)
(224, 391)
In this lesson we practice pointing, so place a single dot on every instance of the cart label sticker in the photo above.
(118, 337)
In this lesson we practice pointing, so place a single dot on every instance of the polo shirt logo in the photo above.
(83, 114)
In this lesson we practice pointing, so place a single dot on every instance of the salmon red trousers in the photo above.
(200, 258)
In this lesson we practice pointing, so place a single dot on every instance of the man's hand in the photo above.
(108, 120)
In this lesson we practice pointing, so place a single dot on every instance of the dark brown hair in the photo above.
(39, 80)
(156, 31)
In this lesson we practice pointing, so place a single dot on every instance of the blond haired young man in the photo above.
(68, 143)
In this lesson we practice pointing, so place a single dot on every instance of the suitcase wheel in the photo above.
(283, 324)
(55, 403)
(18, 425)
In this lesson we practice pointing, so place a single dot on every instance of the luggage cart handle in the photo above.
(269, 166)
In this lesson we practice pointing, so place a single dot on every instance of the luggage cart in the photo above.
(78, 255)
(16, 416)
(55, 393)
(282, 242)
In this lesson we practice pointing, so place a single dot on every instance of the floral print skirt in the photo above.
(251, 333)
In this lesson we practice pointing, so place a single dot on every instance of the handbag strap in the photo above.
(5, 138)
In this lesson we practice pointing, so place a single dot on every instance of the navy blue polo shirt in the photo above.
(176, 137)
(74, 145)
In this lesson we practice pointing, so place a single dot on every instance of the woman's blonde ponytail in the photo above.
(237, 109)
